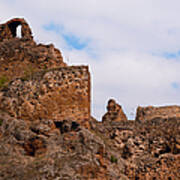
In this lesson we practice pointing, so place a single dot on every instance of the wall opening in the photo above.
(13, 27)
(18, 31)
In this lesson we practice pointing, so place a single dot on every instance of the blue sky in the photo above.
(72, 41)
(131, 47)
(175, 85)
(171, 55)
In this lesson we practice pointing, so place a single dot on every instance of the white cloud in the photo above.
(123, 35)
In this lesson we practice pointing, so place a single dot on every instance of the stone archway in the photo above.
(12, 25)
(9, 29)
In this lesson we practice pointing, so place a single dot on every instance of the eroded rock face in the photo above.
(121, 150)
(115, 113)
(150, 112)
(150, 149)
(39, 150)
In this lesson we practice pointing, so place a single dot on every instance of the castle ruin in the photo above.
(50, 88)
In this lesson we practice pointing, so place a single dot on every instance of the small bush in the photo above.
(1, 121)
(3, 81)
(113, 159)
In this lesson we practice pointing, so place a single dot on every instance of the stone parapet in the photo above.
(150, 112)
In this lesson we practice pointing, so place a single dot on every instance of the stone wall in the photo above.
(150, 112)
(58, 94)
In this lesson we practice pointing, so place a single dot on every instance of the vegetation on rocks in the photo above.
(113, 159)
(3, 81)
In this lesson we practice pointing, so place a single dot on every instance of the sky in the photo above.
(132, 47)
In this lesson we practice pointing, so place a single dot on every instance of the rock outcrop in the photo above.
(53, 150)
(146, 150)
(115, 113)
(46, 128)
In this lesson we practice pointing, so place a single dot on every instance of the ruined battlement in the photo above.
(9, 29)
(150, 112)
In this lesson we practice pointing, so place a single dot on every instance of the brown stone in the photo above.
(115, 113)
(35, 146)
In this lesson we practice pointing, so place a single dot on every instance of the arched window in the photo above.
(18, 31)
(13, 27)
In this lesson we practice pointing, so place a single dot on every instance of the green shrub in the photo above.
(3, 81)
(113, 159)
(1, 121)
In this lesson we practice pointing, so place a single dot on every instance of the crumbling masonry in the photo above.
(8, 30)
(49, 88)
